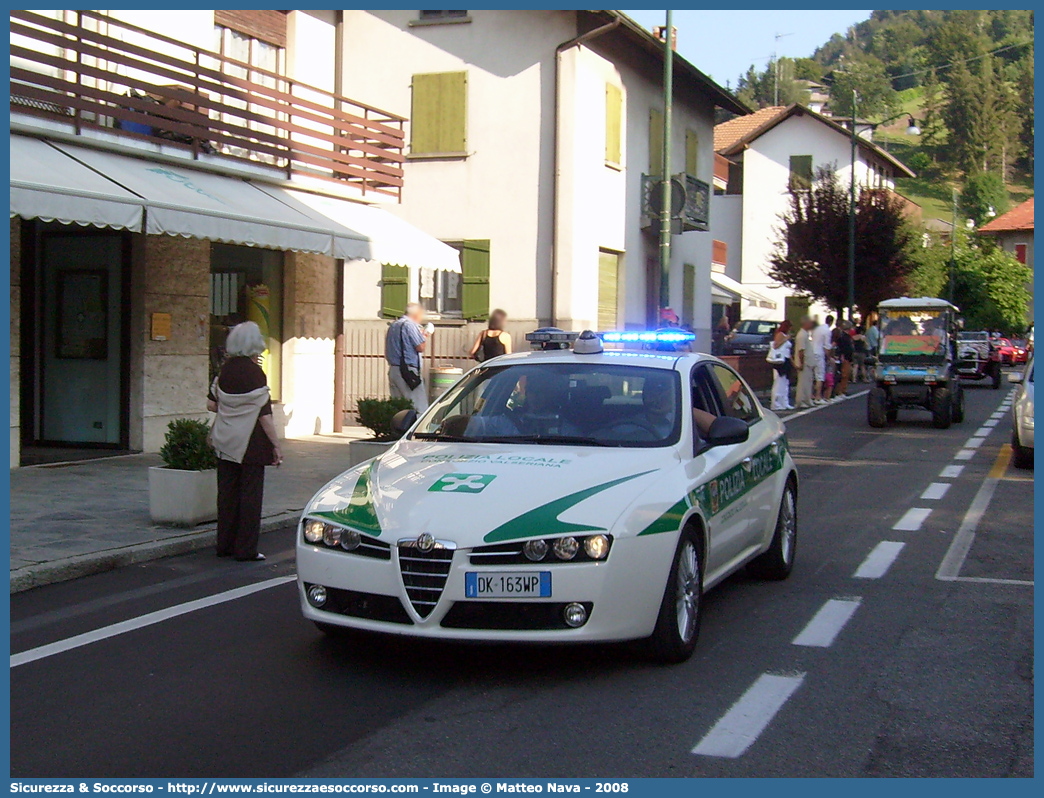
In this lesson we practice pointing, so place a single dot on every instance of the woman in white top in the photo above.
(779, 358)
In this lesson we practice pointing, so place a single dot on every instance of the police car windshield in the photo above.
(560, 404)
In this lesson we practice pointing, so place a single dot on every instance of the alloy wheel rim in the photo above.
(687, 592)
(788, 519)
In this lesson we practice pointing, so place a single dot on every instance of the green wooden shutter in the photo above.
(613, 122)
(439, 113)
(800, 172)
(688, 292)
(395, 290)
(692, 149)
(655, 142)
(608, 289)
(474, 290)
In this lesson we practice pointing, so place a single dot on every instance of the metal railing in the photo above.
(96, 72)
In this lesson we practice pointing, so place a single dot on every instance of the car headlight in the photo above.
(566, 548)
(350, 539)
(313, 530)
(331, 535)
(596, 546)
(535, 550)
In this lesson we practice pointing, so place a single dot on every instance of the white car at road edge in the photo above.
(571, 496)
(1022, 417)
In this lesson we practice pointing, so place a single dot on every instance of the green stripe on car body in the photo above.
(360, 513)
(716, 494)
(543, 520)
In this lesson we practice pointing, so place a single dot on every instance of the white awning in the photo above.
(46, 184)
(197, 204)
(738, 289)
(390, 239)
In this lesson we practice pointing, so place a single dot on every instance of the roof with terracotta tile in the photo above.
(1018, 218)
(735, 130)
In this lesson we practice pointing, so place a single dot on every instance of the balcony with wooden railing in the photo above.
(96, 73)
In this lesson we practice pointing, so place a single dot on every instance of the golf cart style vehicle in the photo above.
(916, 363)
(978, 358)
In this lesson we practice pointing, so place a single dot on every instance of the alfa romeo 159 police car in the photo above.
(584, 494)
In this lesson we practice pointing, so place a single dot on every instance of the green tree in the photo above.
(808, 69)
(876, 97)
(984, 192)
(760, 88)
(982, 115)
(991, 289)
(811, 253)
(933, 127)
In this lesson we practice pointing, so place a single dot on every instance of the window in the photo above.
(474, 292)
(655, 141)
(440, 292)
(692, 153)
(246, 46)
(395, 290)
(1020, 253)
(439, 114)
(613, 124)
(464, 295)
(734, 395)
(608, 289)
(800, 172)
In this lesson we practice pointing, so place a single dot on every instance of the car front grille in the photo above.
(424, 573)
(370, 606)
(521, 616)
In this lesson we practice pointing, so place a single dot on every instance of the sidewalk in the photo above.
(70, 520)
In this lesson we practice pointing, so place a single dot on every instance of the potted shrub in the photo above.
(376, 415)
(183, 491)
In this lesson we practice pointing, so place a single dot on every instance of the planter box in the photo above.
(358, 451)
(182, 498)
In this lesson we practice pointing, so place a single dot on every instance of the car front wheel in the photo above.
(681, 610)
(778, 561)
(1021, 456)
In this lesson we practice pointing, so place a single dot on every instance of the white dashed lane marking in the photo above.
(879, 560)
(827, 623)
(990, 423)
(935, 491)
(911, 522)
(740, 726)
(964, 454)
(951, 472)
(981, 432)
(973, 443)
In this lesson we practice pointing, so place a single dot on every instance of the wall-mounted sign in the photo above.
(160, 327)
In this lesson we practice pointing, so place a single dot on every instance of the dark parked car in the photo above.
(750, 337)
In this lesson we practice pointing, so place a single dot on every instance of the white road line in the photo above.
(911, 522)
(738, 728)
(827, 623)
(879, 560)
(990, 423)
(964, 454)
(951, 472)
(973, 443)
(142, 621)
(961, 544)
(986, 580)
(814, 408)
(935, 491)
(981, 432)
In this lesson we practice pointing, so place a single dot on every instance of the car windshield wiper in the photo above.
(442, 436)
(582, 440)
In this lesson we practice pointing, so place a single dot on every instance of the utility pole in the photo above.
(852, 217)
(665, 210)
(953, 250)
(775, 63)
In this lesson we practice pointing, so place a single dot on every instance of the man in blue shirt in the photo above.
(406, 339)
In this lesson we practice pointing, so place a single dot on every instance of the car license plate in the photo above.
(529, 584)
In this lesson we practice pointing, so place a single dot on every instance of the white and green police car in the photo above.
(558, 496)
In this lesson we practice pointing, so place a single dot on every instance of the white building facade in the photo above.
(772, 153)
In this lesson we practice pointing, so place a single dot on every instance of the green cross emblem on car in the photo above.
(462, 483)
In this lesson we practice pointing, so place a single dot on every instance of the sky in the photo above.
(723, 44)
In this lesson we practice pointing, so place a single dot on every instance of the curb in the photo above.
(49, 573)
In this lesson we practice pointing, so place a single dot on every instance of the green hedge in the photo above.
(186, 447)
(376, 415)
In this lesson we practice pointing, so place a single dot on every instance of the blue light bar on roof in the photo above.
(547, 334)
(648, 337)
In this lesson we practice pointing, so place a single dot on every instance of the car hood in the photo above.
(476, 494)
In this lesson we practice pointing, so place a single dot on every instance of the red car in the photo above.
(1012, 353)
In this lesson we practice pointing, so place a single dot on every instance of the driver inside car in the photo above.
(541, 414)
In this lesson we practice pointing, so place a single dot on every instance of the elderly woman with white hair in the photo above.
(244, 437)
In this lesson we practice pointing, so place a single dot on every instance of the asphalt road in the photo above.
(918, 676)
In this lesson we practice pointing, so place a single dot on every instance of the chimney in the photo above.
(658, 32)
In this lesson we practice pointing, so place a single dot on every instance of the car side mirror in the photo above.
(726, 430)
(1015, 377)
(402, 421)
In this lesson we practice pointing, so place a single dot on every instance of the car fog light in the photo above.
(566, 548)
(350, 540)
(596, 546)
(535, 550)
(574, 615)
(313, 530)
(331, 535)
(317, 596)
